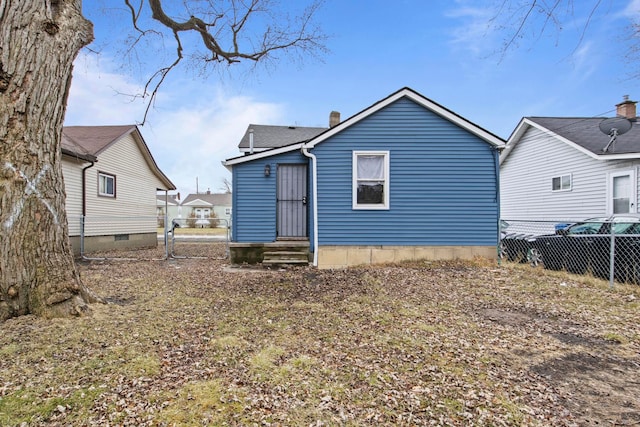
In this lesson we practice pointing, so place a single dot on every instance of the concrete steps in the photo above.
(286, 257)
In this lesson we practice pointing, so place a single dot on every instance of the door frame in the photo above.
(633, 197)
(304, 201)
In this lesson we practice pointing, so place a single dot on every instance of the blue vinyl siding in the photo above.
(443, 182)
(254, 198)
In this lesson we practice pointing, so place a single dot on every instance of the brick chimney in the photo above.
(334, 118)
(627, 108)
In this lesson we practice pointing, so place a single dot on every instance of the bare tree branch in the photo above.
(230, 32)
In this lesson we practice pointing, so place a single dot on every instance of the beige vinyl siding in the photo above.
(526, 174)
(133, 210)
(72, 175)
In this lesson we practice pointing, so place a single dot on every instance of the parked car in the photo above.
(585, 247)
(515, 246)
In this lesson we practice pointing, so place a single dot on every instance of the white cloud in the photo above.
(195, 139)
(633, 9)
(474, 31)
(192, 128)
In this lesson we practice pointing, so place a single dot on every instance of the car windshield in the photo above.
(626, 227)
(622, 225)
(591, 227)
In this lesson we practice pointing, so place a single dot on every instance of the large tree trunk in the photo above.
(39, 41)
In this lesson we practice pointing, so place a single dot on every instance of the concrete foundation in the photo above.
(114, 242)
(347, 256)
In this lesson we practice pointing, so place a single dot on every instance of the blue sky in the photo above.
(444, 49)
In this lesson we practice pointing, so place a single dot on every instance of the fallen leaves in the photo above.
(194, 342)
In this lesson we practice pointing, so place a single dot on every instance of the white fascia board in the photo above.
(514, 138)
(419, 99)
(406, 92)
(261, 155)
(624, 156)
(525, 123)
(197, 202)
(582, 149)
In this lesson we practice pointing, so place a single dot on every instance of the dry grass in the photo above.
(188, 342)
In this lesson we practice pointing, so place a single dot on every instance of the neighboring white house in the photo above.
(207, 205)
(111, 180)
(567, 168)
(169, 204)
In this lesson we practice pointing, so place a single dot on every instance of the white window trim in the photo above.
(354, 179)
(634, 190)
(562, 189)
(106, 175)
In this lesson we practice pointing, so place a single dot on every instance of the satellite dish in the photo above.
(613, 127)
(619, 124)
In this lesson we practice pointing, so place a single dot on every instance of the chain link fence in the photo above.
(182, 233)
(147, 238)
(608, 248)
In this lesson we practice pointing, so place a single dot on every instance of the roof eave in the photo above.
(260, 155)
(438, 109)
(79, 156)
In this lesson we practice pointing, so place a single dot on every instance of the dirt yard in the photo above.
(196, 342)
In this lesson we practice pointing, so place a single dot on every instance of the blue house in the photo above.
(403, 179)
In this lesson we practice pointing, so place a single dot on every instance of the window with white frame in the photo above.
(202, 213)
(370, 180)
(106, 184)
(561, 183)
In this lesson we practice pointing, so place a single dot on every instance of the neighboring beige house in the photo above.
(205, 205)
(111, 180)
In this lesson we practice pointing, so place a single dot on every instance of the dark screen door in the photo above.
(292, 201)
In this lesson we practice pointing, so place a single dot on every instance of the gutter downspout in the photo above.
(314, 183)
(84, 188)
(496, 166)
(84, 206)
(166, 224)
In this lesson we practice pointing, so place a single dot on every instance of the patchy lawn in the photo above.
(191, 342)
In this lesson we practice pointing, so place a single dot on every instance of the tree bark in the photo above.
(39, 41)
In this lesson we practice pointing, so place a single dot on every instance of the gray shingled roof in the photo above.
(585, 132)
(266, 136)
(222, 199)
(170, 199)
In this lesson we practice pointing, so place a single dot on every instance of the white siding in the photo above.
(72, 175)
(133, 210)
(525, 180)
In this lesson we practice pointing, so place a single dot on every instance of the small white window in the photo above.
(106, 185)
(561, 183)
(370, 180)
(202, 213)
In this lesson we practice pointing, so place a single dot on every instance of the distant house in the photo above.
(167, 204)
(111, 180)
(404, 179)
(559, 168)
(207, 205)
